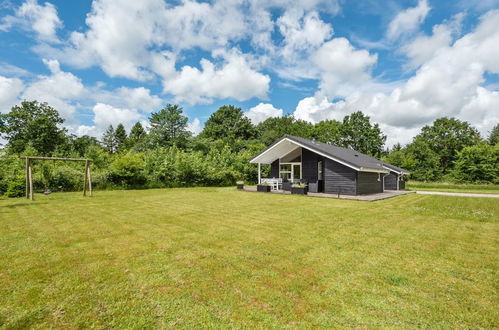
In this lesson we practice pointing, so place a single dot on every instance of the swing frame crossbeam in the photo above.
(87, 177)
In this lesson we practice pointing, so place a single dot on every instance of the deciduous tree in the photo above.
(35, 123)
(358, 133)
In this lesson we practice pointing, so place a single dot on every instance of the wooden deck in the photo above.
(368, 198)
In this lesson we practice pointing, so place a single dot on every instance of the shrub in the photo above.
(127, 170)
(16, 187)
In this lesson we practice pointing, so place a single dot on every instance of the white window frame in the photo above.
(292, 170)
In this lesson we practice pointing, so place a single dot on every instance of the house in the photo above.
(328, 168)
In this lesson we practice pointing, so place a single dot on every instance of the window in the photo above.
(289, 171)
(285, 171)
(319, 170)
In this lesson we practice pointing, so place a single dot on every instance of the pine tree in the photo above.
(120, 137)
(109, 140)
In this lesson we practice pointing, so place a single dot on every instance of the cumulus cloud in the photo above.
(10, 88)
(344, 69)
(162, 31)
(30, 16)
(408, 21)
(139, 98)
(106, 115)
(449, 83)
(303, 34)
(59, 89)
(195, 126)
(233, 79)
(263, 111)
(424, 47)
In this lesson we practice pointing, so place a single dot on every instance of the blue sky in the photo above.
(404, 63)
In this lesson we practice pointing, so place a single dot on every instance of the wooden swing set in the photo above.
(87, 178)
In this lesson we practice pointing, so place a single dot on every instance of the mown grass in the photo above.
(453, 187)
(216, 257)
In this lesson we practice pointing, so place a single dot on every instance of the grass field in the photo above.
(218, 258)
(452, 187)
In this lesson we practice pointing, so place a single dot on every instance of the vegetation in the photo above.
(167, 155)
(218, 258)
(453, 187)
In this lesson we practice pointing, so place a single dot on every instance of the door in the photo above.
(296, 172)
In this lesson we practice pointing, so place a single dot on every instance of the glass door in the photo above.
(296, 172)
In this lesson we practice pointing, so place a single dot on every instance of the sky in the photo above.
(105, 62)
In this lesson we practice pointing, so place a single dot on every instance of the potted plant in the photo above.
(299, 189)
(263, 187)
(240, 185)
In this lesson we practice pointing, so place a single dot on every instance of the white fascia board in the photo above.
(393, 170)
(266, 151)
(373, 170)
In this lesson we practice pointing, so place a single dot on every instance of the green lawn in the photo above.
(451, 187)
(217, 257)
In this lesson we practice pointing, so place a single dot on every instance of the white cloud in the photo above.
(195, 126)
(10, 88)
(423, 48)
(408, 21)
(263, 111)
(449, 83)
(139, 98)
(30, 16)
(59, 89)
(303, 34)
(161, 31)
(233, 79)
(106, 115)
(343, 68)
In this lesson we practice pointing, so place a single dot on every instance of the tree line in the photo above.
(163, 153)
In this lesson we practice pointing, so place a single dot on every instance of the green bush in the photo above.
(478, 164)
(16, 187)
(128, 170)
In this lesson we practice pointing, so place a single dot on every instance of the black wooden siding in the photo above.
(309, 164)
(367, 183)
(391, 181)
(339, 178)
(274, 169)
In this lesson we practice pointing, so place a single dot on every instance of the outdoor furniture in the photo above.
(274, 183)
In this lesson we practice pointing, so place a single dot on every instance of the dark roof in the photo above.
(349, 156)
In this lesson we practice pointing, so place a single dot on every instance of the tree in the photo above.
(448, 136)
(328, 131)
(120, 137)
(228, 123)
(358, 133)
(137, 132)
(169, 127)
(109, 140)
(494, 135)
(274, 128)
(478, 163)
(137, 136)
(35, 123)
(421, 161)
(80, 144)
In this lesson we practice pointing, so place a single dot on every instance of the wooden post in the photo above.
(259, 174)
(30, 176)
(90, 181)
(85, 179)
(27, 179)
